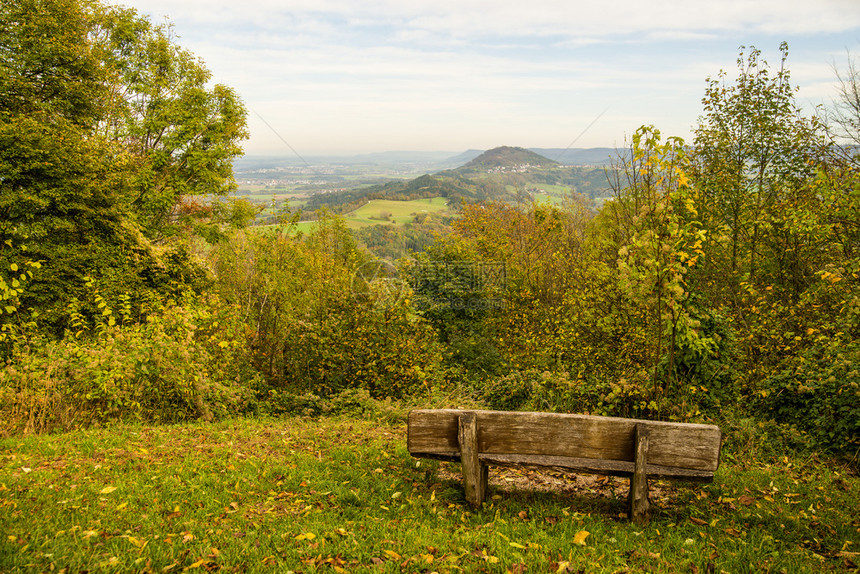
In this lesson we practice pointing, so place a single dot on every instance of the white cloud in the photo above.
(451, 74)
(467, 18)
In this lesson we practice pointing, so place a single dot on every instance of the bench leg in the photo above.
(474, 471)
(638, 496)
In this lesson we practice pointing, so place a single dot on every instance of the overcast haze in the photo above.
(341, 76)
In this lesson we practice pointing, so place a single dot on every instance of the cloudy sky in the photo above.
(353, 76)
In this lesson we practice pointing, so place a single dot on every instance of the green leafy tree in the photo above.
(104, 124)
(754, 152)
(178, 135)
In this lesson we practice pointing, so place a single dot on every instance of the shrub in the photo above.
(155, 371)
(820, 394)
(311, 325)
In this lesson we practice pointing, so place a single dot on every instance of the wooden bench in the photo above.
(599, 445)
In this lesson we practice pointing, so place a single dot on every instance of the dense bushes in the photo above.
(155, 371)
(818, 392)
(315, 326)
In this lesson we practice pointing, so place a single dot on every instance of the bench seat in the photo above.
(583, 443)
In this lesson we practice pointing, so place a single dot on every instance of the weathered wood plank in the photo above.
(676, 445)
(639, 481)
(474, 471)
(586, 465)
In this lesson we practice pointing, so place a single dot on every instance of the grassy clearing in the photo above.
(344, 495)
(375, 212)
(389, 211)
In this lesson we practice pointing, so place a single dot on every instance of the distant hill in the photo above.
(578, 156)
(429, 162)
(464, 158)
(507, 157)
(500, 174)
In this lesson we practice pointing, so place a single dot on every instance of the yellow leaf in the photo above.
(107, 490)
(516, 545)
(579, 537)
(197, 564)
(138, 543)
(393, 555)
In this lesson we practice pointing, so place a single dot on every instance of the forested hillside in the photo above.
(719, 282)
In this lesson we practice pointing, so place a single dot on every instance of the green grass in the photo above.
(379, 211)
(340, 494)
(372, 213)
(398, 212)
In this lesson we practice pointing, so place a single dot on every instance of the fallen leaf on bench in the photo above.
(579, 537)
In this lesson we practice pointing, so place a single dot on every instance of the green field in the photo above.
(374, 212)
(396, 212)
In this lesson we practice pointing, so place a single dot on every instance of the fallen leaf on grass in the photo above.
(196, 564)
(640, 553)
(697, 521)
(306, 536)
(579, 537)
(746, 500)
(107, 490)
(138, 543)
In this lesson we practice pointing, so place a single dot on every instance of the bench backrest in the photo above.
(695, 447)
